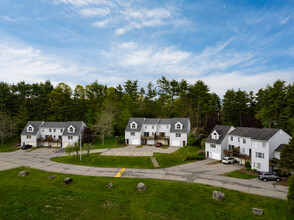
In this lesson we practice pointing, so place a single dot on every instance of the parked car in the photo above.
(27, 146)
(158, 144)
(265, 176)
(228, 160)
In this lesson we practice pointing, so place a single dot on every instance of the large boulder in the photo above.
(110, 185)
(217, 195)
(67, 180)
(256, 211)
(141, 187)
(23, 173)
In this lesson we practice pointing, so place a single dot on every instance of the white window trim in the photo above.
(30, 128)
(180, 127)
(71, 129)
(178, 135)
(135, 125)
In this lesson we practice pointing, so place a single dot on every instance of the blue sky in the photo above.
(227, 44)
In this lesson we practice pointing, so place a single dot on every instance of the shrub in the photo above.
(290, 195)
(195, 157)
(121, 140)
(203, 143)
(247, 165)
(202, 153)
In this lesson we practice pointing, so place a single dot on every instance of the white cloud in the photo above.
(24, 63)
(92, 12)
(101, 24)
(127, 14)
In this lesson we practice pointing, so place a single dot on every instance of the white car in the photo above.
(228, 160)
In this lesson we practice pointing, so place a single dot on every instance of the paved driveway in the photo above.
(131, 150)
(197, 172)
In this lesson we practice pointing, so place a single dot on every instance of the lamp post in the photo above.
(80, 146)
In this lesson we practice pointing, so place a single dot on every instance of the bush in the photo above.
(202, 153)
(248, 165)
(290, 195)
(195, 157)
(121, 140)
(203, 143)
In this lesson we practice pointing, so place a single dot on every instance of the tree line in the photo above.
(109, 108)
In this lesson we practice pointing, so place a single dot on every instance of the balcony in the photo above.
(49, 139)
(236, 153)
(273, 162)
(155, 137)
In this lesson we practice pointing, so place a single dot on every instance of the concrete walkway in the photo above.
(197, 172)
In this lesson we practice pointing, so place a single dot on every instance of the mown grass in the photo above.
(37, 197)
(164, 160)
(240, 175)
(96, 160)
(6, 147)
(176, 158)
(109, 142)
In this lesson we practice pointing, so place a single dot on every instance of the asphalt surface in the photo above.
(196, 172)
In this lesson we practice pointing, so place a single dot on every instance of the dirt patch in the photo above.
(283, 182)
(214, 162)
(243, 170)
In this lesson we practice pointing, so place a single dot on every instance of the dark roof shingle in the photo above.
(255, 133)
(222, 130)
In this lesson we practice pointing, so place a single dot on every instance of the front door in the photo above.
(127, 141)
(207, 154)
(184, 143)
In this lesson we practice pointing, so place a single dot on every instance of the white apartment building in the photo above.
(52, 134)
(149, 131)
(261, 147)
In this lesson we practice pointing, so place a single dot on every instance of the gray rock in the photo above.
(256, 211)
(51, 177)
(217, 195)
(67, 180)
(110, 185)
(23, 173)
(141, 187)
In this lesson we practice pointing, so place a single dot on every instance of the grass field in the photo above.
(96, 160)
(109, 142)
(163, 159)
(6, 147)
(240, 175)
(176, 158)
(37, 197)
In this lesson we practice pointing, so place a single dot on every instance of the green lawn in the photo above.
(37, 197)
(96, 160)
(6, 147)
(163, 159)
(176, 158)
(240, 175)
(109, 142)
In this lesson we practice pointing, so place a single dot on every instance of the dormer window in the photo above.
(30, 128)
(215, 135)
(71, 129)
(133, 125)
(178, 126)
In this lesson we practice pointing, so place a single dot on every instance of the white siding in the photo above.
(32, 141)
(178, 141)
(136, 137)
(280, 137)
(257, 146)
(214, 153)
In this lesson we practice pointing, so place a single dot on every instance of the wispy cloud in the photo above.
(128, 15)
(102, 23)
(93, 12)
